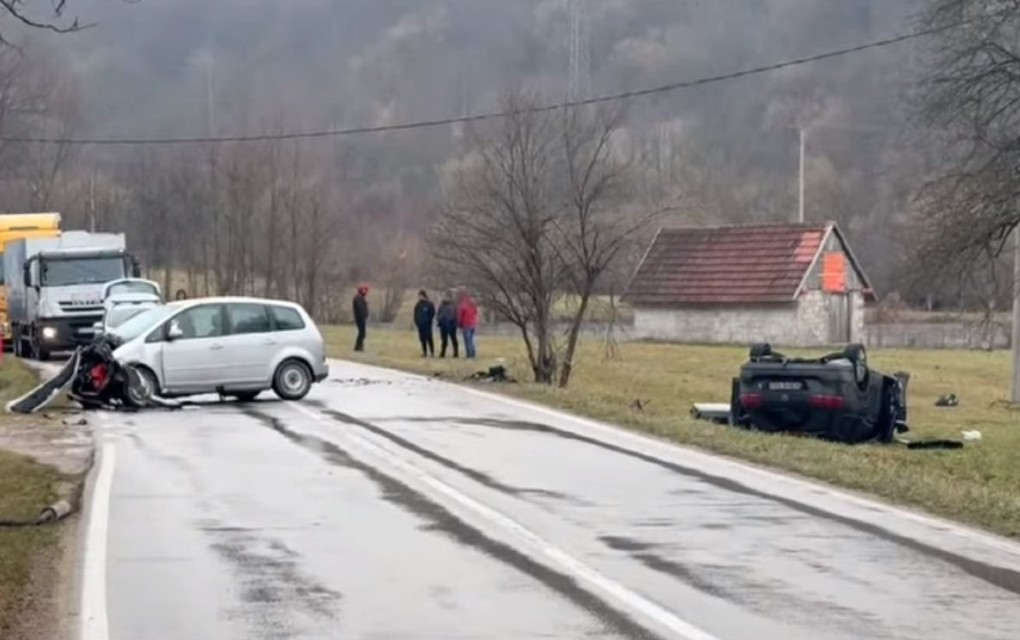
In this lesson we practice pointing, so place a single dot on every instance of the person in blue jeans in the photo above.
(467, 320)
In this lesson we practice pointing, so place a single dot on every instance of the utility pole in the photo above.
(92, 202)
(1015, 340)
(579, 73)
(800, 207)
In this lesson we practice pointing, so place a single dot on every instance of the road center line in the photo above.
(94, 615)
(571, 565)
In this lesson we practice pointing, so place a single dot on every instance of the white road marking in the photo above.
(574, 567)
(94, 615)
(769, 478)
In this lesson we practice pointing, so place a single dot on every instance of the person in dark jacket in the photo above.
(361, 316)
(424, 316)
(446, 319)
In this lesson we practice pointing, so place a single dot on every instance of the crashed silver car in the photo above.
(236, 347)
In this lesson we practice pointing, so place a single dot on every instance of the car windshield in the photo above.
(142, 322)
(119, 315)
(59, 273)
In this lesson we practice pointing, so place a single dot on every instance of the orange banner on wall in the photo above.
(834, 272)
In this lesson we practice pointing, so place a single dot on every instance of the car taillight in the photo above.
(751, 400)
(827, 403)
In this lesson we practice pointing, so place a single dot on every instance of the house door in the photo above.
(839, 318)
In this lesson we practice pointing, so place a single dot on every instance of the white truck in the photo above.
(55, 288)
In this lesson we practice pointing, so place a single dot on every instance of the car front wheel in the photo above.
(292, 381)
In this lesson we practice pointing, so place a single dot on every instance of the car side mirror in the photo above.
(173, 331)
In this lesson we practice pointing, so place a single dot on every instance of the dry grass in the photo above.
(25, 488)
(978, 484)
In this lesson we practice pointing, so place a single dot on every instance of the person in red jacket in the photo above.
(467, 321)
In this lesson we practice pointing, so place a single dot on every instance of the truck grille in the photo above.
(73, 306)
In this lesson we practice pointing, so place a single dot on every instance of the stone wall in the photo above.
(949, 335)
(803, 324)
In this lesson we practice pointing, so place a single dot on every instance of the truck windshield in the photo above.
(61, 273)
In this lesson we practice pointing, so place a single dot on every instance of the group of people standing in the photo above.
(456, 313)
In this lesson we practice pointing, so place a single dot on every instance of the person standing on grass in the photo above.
(360, 307)
(467, 320)
(424, 316)
(446, 319)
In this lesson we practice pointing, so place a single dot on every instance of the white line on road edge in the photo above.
(817, 487)
(94, 616)
(573, 566)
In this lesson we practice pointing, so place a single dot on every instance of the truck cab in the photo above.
(58, 298)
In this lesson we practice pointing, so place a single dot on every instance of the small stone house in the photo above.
(787, 284)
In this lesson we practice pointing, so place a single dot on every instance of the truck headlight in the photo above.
(49, 333)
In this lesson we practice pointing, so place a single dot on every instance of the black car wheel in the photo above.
(858, 357)
(760, 350)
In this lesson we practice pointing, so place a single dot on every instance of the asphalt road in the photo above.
(389, 507)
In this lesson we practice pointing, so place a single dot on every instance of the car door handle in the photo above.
(269, 341)
(216, 347)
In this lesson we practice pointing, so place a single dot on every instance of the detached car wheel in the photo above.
(292, 381)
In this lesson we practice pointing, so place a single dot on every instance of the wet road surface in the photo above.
(387, 506)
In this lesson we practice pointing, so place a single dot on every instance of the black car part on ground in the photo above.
(94, 378)
(836, 397)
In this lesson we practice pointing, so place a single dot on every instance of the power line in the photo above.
(424, 124)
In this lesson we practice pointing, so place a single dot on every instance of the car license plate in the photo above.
(786, 386)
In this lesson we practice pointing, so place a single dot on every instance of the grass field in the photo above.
(979, 484)
(25, 488)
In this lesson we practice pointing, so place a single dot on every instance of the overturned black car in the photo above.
(836, 397)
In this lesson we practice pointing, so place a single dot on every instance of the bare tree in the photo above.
(972, 99)
(596, 224)
(498, 227)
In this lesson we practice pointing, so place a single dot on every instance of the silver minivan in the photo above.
(237, 347)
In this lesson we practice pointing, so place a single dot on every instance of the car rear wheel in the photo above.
(760, 350)
(858, 357)
(292, 381)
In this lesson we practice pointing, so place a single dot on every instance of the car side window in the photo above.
(287, 319)
(199, 322)
(247, 318)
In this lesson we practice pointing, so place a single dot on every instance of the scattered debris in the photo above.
(971, 436)
(947, 401)
(495, 373)
(93, 378)
(357, 382)
(933, 443)
(639, 405)
(712, 412)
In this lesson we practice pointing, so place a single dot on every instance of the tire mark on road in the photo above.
(273, 589)
(772, 599)
(444, 522)
(478, 476)
(999, 576)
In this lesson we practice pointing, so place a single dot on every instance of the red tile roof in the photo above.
(726, 265)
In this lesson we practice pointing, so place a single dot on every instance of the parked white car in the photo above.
(124, 299)
(236, 347)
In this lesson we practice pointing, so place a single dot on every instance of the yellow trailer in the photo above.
(14, 226)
